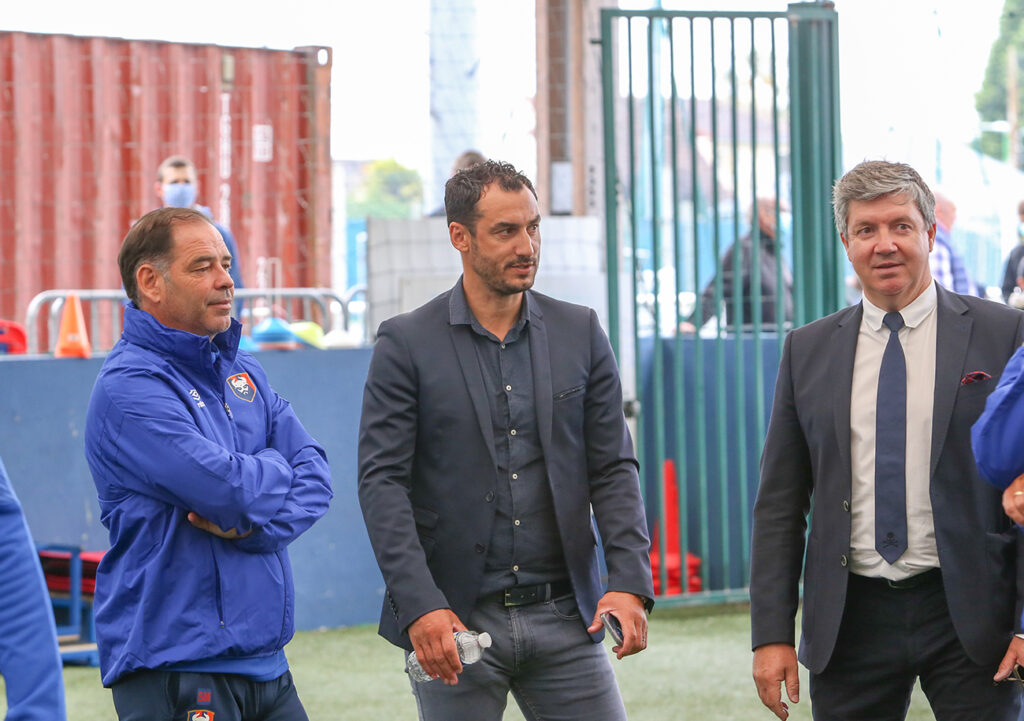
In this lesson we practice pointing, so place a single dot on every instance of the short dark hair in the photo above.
(174, 161)
(463, 190)
(151, 240)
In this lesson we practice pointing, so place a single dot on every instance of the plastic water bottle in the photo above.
(471, 647)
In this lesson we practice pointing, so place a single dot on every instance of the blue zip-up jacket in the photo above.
(29, 659)
(169, 431)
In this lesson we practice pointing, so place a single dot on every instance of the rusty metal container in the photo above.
(85, 121)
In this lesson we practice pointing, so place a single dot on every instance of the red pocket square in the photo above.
(974, 377)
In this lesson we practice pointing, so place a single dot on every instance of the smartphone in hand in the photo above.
(613, 627)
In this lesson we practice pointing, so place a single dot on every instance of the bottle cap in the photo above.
(484, 640)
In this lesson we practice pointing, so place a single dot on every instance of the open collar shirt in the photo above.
(525, 546)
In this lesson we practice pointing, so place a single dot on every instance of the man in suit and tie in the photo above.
(492, 427)
(911, 567)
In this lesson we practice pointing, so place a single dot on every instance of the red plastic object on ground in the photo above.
(673, 564)
(12, 337)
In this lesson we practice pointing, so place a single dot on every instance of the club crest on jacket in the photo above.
(242, 386)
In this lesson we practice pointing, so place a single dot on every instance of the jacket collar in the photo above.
(142, 329)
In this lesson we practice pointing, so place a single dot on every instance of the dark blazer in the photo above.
(427, 473)
(806, 465)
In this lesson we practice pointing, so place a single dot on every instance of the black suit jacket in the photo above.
(427, 473)
(806, 465)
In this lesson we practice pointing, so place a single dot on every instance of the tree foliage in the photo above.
(389, 190)
(990, 100)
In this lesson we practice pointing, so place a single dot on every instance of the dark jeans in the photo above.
(887, 640)
(178, 696)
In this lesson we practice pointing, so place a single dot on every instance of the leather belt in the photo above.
(536, 593)
(933, 575)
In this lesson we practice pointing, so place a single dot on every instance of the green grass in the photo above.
(697, 666)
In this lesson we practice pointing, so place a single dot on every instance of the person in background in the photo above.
(177, 186)
(465, 159)
(204, 476)
(1013, 260)
(946, 264)
(29, 658)
(911, 569)
(492, 433)
(773, 272)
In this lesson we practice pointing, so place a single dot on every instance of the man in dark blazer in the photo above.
(492, 427)
(921, 584)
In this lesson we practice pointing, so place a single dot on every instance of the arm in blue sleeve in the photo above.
(310, 491)
(998, 435)
(29, 658)
(151, 444)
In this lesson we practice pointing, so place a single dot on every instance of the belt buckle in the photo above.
(521, 596)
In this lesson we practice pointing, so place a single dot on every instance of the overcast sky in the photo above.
(909, 67)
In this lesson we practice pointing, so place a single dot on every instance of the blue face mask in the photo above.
(179, 195)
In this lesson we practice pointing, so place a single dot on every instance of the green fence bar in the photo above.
(713, 112)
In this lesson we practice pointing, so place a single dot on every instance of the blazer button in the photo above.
(489, 497)
(846, 506)
(843, 561)
(480, 548)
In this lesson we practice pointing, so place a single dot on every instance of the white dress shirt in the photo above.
(918, 340)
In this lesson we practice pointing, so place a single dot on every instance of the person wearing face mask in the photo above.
(1014, 259)
(177, 186)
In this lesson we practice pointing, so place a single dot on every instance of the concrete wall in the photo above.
(411, 261)
(43, 403)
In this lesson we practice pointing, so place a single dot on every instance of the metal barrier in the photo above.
(104, 311)
(705, 113)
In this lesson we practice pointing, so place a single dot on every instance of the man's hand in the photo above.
(1014, 656)
(433, 639)
(775, 664)
(210, 527)
(629, 609)
(1013, 500)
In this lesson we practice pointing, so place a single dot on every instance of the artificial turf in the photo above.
(697, 666)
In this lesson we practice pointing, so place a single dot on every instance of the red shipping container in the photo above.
(85, 121)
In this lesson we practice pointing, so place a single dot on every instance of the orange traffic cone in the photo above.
(73, 341)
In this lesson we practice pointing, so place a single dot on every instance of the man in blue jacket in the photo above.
(29, 660)
(204, 476)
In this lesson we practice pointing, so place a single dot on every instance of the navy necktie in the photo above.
(891, 447)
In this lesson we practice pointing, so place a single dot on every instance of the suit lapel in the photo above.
(466, 354)
(952, 333)
(844, 341)
(540, 361)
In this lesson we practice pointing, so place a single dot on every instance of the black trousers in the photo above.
(178, 696)
(891, 637)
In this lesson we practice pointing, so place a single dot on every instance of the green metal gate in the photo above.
(709, 116)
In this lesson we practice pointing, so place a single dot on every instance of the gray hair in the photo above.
(873, 179)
